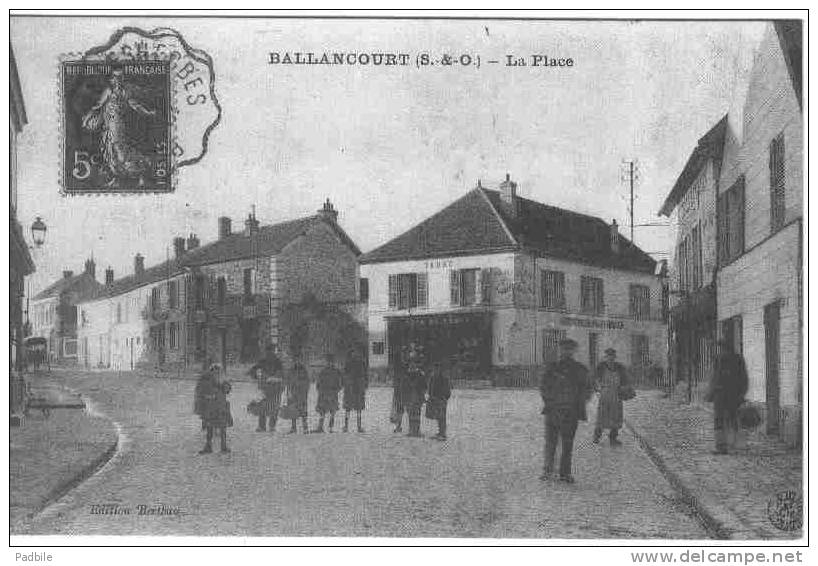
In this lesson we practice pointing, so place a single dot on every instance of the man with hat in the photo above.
(565, 388)
(610, 376)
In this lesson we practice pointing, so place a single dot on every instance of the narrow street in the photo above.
(482, 482)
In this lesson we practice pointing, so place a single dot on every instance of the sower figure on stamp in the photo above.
(271, 385)
(414, 388)
(727, 390)
(610, 376)
(355, 383)
(328, 386)
(298, 389)
(565, 388)
(212, 406)
(440, 390)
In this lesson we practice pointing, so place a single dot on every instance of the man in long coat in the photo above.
(266, 371)
(210, 403)
(413, 387)
(727, 390)
(440, 390)
(564, 388)
(355, 384)
(298, 389)
(610, 376)
(328, 384)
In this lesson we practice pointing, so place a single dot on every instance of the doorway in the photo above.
(772, 350)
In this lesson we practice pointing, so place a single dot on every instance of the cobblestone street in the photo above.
(482, 482)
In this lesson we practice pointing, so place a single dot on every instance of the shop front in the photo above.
(461, 341)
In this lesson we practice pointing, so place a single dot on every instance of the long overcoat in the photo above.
(355, 384)
(608, 379)
(328, 386)
(298, 389)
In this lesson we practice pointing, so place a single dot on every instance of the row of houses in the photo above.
(489, 285)
(737, 273)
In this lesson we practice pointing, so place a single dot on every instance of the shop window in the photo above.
(777, 189)
(408, 290)
(552, 289)
(464, 287)
(639, 302)
(378, 348)
(592, 299)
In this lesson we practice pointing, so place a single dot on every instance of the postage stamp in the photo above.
(134, 110)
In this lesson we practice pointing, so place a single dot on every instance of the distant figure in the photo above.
(398, 380)
(212, 406)
(610, 376)
(565, 388)
(727, 390)
(267, 372)
(414, 387)
(355, 383)
(298, 388)
(328, 385)
(440, 390)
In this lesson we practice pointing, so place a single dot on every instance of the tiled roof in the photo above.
(710, 146)
(477, 223)
(469, 225)
(269, 240)
(83, 284)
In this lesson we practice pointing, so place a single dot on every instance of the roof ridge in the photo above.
(496, 212)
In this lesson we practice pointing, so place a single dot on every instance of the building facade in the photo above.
(54, 312)
(691, 206)
(221, 302)
(20, 261)
(490, 284)
(760, 234)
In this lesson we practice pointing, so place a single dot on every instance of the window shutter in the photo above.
(722, 224)
(560, 289)
(454, 282)
(478, 286)
(485, 286)
(423, 285)
(600, 297)
(393, 291)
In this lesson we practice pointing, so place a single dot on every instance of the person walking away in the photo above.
(267, 372)
(564, 388)
(356, 382)
(610, 376)
(414, 390)
(210, 403)
(298, 388)
(440, 391)
(727, 390)
(328, 385)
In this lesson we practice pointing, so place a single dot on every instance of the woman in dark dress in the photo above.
(298, 388)
(355, 384)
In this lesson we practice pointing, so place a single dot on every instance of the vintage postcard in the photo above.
(407, 277)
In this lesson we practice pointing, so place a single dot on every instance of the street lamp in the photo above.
(38, 230)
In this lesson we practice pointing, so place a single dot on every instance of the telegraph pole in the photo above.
(630, 174)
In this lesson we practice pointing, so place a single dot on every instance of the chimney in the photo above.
(328, 212)
(192, 242)
(67, 274)
(178, 247)
(615, 237)
(508, 196)
(91, 267)
(109, 276)
(138, 265)
(224, 227)
(251, 224)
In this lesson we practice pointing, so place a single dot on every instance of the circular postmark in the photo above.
(785, 510)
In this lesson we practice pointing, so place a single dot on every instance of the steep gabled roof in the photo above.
(560, 233)
(269, 240)
(469, 225)
(84, 284)
(477, 223)
(710, 146)
(790, 38)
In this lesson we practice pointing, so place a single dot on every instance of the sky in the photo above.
(389, 146)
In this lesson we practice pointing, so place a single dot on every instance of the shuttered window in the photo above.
(777, 186)
(408, 290)
(465, 287)
(592, 299)
(552, 289)
(551, 344)
(730, 211)
(639, 302)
